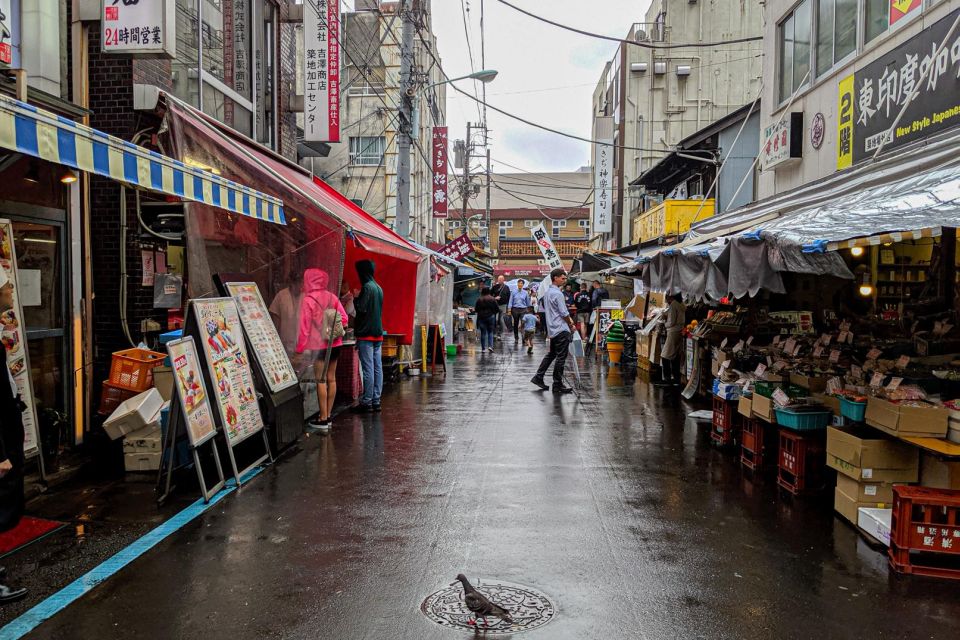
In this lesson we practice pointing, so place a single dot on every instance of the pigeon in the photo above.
(479, 605)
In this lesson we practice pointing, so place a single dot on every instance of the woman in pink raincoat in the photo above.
(322, 319)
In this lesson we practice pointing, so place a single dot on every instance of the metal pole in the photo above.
(489, 244)
(406, 118)
(465, 193)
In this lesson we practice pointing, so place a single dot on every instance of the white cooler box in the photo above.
(134, 414)
(875, 523)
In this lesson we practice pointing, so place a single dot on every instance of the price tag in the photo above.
(835, 355)
(834, 385)
(902, 362)
(877, 379)
(781, 398)
(779, 364)
(761, 369)
(855, 371)
(776, 340)
(873, 354)
(738, 347)
(894, 383)
(796, 350)
(723, 343)
(769, 360)
(825, 339)
(725, 365)
(749, 341)
(818, 351)
(789, 345)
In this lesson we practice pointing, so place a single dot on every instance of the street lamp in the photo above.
(484, 75)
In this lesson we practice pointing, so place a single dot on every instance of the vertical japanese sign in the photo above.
(241, 47)
(900, 8)
(458, 248)
(10, 33)
(602, 187)
(440, 172)
(845, 123)
(545, 244)
(139, 26)
(14, 338)
(321, 98)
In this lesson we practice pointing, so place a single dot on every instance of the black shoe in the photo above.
(537, 380)
(9, 594)
(375, 408)
(560, 389)
(529, 350)
(361, 408)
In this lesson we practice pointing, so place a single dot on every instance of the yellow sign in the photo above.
(900, 8)
(616, 314)
(845, 123)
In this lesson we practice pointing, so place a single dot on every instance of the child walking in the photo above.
(529, 321)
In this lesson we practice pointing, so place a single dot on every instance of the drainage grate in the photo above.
(528, 607)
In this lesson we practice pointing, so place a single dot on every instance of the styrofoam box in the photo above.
(134, 414)
(142, 461)
(875, 523)
(146, 440)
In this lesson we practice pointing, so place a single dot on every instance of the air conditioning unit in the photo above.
(642, 36)
(638, 67)
(659, 68)
(683, 70)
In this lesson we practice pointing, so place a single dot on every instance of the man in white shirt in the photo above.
(560, 328)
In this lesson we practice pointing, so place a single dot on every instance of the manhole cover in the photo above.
(528, 607)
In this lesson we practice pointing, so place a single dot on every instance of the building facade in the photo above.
(840, 71)
(653, 93)
(518, 203)
(363, 166)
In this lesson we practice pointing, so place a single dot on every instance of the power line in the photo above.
(643, 45)
(493, 181)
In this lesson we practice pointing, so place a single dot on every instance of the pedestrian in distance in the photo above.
(323, 323)
(598, 295)
(559, 329)
(530, 322)
(11, 448)
(368, 329)
(584, 304)
(487, 311)
(519, 303)
(501, 292)
(674, 321)
(568, 295)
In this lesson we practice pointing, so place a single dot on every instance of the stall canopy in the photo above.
(45, 135)
(324, 229)
(910, 193)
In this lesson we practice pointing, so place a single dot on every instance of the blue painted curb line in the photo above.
(60, 600)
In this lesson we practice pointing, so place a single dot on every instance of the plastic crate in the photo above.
(925, 531)
(853, 410)
(726, 422)
(758, 445)
(133, 368)
(766, 389)
(111, 396)
(802, 420)
(801, 461)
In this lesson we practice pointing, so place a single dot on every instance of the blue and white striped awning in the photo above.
(45, 135)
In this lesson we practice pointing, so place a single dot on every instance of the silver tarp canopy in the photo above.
(910, 190)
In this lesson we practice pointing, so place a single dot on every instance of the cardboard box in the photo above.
(745, 406)
(860, 455)
(134, 414)
(929, 421)
(142, 461)
(813, 383)
(146, 440)
(763, 408)
(830, 402)
(163, 381)
(875, 523)
(848, 506)
(939, 474)
(878, 492)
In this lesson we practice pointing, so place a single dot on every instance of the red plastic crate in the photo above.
(757, 445)
(925, 531)
(725, 428)
(801, 460)
(133, 368)
(112, 396)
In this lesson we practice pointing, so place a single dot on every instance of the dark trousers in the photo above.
(670, 370)
(517, 317)
(559, 345)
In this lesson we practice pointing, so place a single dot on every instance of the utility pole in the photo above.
(489, 243)
(407, 90)
(465, 194)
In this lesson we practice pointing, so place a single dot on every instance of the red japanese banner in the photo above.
(457, 248)
(440, 173)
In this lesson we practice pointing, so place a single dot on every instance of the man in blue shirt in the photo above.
(517, 307)
(560, 328)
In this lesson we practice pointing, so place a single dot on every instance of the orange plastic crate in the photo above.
(925, 531)
(133, 368)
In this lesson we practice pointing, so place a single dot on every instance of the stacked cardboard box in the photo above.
(868, 467)
(917, 419)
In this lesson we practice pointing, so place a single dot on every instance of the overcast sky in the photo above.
(547, 75)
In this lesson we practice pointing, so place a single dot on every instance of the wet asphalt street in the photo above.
(612, 504)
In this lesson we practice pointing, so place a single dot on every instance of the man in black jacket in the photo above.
(501, 291)
(11, 448)
(368, 328)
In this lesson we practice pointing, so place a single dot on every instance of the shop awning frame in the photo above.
(39, 133)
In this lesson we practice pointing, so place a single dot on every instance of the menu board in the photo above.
(191, 390)
(229, 367)
(263, 336)
(14, 337)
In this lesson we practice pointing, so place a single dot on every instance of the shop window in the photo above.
(794, 50)
(529, 224)
(836, 32)
(186, 67)
(876, 18)
(585, 224)
(558, 225)
(264, 70)
(367, 150)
